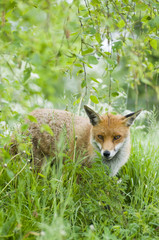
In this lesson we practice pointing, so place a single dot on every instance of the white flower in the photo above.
(42, 233)
(92, 227)
(63, 232)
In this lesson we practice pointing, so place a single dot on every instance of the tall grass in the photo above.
(74, 202)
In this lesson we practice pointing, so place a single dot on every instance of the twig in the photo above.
(118, 11)
(110, 88)
(64, 33)
(3, 18)
(89, 11)
(83, 64)
(80, 103)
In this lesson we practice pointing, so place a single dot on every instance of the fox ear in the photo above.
(129, 118)
(93, 116)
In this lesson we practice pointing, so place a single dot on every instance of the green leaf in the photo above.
(41, 175)
(107, 53)
(117, 45)
(27, 73)
(115, 94)
(24, 127)
(95, 80)
(110, 61)
(146, 18)
(77, 101)
(91, 30)
(88, 65)
(141, 6)
(36, 59)
(9, 173)
(89, 50)
(146, 81)
(79, 72)
(83, 84)
(98, 38)
(95, 89)
(78, 65)
(154, 23)
(32, 118)
(46, 128)
(153, 43)
(94, 99)
(92, 60)
(121, 24)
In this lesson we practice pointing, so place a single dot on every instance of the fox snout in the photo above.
(106, 154)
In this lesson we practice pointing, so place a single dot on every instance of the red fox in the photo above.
(107, 134)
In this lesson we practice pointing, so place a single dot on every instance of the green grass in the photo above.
(71, 202)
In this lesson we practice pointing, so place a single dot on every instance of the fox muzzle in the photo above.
(106, 154)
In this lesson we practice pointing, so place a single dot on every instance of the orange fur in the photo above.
(110, 126)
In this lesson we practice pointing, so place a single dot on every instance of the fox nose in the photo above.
(106, 153)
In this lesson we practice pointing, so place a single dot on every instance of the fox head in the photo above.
(109, 132)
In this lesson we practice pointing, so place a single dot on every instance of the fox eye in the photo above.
(116, 137)
(101, 137)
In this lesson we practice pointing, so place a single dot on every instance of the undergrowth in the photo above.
(74, 202)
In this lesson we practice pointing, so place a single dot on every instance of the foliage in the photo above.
(97, 49)
(65, 54)
(72, 202)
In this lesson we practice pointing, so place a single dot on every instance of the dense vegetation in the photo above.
(65, 54)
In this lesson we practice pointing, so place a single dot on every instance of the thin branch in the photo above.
(63, 35)
(3, 18)
(83, 64)
(89, 11)
(118, 11)
(110, 88)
